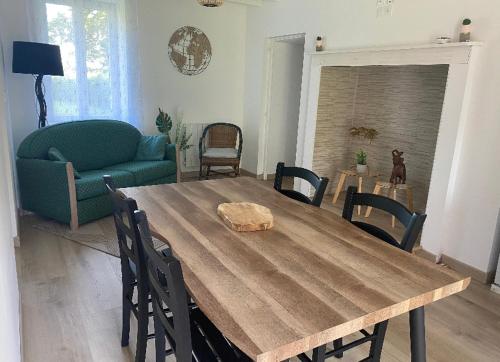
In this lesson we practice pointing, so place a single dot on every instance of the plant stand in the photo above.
(352, 173)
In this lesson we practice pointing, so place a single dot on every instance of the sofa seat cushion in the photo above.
(145, 171)
(221, 153)
(92, 185)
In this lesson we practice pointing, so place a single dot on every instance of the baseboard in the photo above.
(495, 288)
(462, 268)
(458, 266)
(425, 254)
(244, 172)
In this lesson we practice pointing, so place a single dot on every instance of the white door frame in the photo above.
(266, 102)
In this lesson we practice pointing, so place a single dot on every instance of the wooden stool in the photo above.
(379, 185)
(352, 172)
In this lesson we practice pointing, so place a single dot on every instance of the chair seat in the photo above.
(91, 183)
(377, 232)
(296, 196)
(146, 171)
(209, 344)
(221, 153)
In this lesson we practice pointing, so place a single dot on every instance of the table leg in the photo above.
(339, 187)
(376, 191)
(360, 190)
(417, 335)
(394, 195)
(319, 354)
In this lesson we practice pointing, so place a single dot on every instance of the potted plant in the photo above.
(361, 166)
(164, 124)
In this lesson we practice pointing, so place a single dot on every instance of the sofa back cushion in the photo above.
(89, 145)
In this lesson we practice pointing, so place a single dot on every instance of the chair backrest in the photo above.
(221, 135)
(127, 232)
(412, 221)
(319, 183)
(167, 289)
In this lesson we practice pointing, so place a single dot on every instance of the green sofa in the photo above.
(94, 148)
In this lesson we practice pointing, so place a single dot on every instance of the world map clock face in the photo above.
(189, 50)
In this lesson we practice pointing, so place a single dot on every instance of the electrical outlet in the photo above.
(384, 8)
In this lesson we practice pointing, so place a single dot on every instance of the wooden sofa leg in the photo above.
(73, 204)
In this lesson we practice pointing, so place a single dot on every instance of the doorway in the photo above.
(282, 106)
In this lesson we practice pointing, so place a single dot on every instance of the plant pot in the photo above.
(361, 168)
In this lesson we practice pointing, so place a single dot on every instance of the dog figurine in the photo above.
(398, 175)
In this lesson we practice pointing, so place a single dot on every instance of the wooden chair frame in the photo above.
(209, 161)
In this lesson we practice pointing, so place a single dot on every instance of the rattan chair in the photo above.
(220, 145)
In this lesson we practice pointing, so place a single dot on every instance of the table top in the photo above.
(311, 279)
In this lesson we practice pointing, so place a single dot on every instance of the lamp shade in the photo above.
(37, 58)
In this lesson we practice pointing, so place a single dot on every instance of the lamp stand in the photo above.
(42, 117)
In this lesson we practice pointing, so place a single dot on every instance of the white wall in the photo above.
(9, 294)
(284, 103)
(214, 95)
(352, 24)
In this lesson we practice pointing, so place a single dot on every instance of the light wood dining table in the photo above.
(311, 279)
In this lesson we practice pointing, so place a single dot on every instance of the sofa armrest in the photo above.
(47, 189)
(172, 153)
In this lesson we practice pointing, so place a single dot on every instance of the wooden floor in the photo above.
(71, 310)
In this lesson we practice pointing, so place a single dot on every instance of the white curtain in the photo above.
(98, 40)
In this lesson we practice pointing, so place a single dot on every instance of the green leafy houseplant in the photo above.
(164, 124)
(361, 157)
(182, 136)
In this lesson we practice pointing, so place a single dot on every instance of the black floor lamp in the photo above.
(37, 59)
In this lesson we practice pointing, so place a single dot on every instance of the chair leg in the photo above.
(338, 343)
(208, 172)
(127, 296)
(201, 171)
(126, 311)
(377, 344)
(159, 340)
(142, 325)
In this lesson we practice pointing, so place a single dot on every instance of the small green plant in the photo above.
(164, 124)
(361, 157)
(182, 136)
(467, 22)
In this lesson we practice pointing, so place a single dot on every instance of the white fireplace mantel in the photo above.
(460, 58)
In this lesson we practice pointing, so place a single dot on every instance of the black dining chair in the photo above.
(191, 335)
(413, 223)
(133, 268)
(319, 183)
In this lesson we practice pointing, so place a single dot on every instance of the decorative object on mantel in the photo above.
(164, 124)
(211, 3)
(37, 59)
(190, 50)
(443, 40)
(398, 175)
(466, 29)
(368, 133)
(319, 44)
(245, 216)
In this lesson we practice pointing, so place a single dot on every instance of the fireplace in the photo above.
(402, 103)
(443, 70)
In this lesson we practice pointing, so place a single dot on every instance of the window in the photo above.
(95, 85)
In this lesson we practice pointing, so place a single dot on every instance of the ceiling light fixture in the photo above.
(211, 3)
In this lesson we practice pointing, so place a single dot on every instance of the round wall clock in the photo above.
(189, 50)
